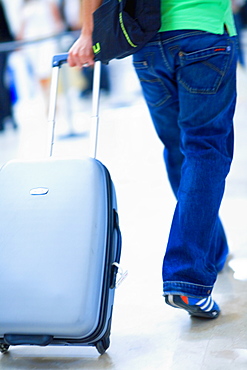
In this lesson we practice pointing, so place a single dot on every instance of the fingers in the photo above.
(80, 61)
(81, 54)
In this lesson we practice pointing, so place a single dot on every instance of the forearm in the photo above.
(81, 52)
(88, 8)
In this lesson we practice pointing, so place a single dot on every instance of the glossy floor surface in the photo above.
(146, 334)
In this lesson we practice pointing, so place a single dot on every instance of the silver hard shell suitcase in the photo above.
(60, 245)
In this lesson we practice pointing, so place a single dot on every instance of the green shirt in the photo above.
(205, 15)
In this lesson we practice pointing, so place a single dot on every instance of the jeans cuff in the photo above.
(188, 289)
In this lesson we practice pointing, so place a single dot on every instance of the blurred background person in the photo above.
(40, 19)
(70, 11)
(6, 109)
(87, 74)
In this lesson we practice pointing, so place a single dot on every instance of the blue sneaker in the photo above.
(202, 307)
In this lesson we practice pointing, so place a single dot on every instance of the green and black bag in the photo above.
(122, 27)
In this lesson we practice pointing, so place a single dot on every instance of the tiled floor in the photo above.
(146, 334)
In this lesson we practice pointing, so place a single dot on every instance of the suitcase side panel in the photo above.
(100, 337)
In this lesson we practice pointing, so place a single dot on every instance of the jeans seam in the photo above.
(179, 283)
(149, 66)
(186, 288)
(164, 57)
(178, 37)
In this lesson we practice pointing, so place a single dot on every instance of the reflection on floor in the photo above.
(146, 334)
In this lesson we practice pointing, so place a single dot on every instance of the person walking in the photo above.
(6, 108)
(188, 76)
(40, 19)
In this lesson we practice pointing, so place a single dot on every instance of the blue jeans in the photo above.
(189, 83)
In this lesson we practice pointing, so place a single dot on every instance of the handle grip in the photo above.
(59, 59)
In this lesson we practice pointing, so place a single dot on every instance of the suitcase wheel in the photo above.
(4, 348)
(103, 345)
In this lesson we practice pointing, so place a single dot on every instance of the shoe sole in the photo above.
(193, 310)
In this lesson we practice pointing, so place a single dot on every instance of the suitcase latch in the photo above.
(119, 275)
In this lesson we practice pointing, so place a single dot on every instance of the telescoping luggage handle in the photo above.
(57, 62)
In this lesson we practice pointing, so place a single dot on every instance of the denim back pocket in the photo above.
(203, 71)
(154, 89)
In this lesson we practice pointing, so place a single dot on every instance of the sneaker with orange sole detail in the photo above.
(202, 307)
